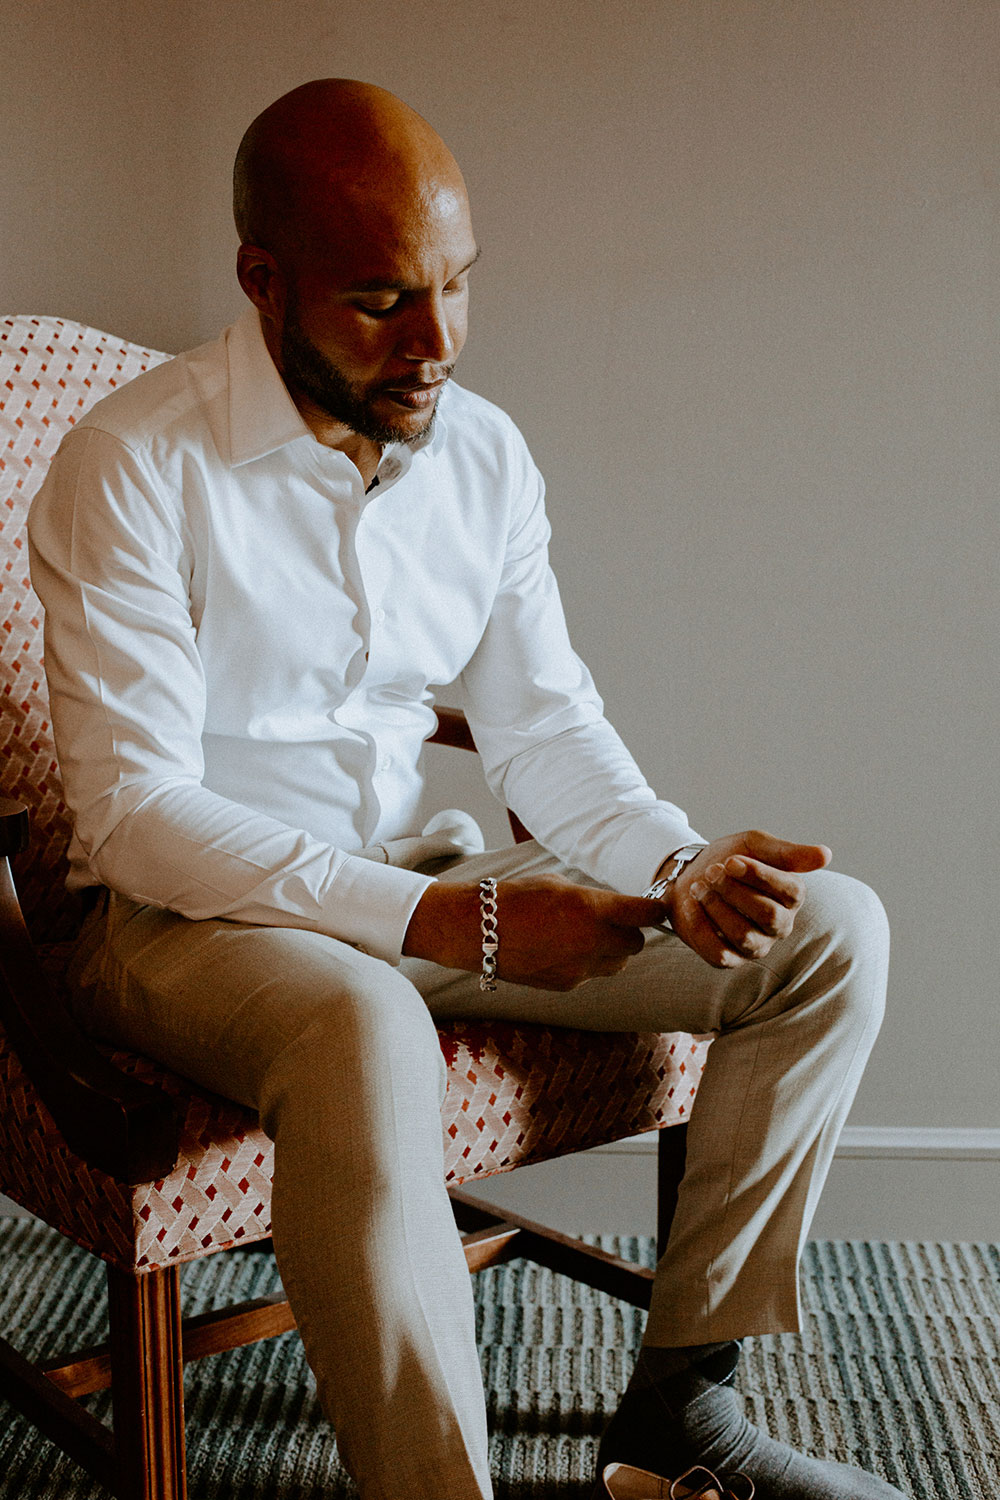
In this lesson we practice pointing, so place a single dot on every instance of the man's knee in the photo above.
(367, 1032)
(848, 910)
(843, 929)
(381, 1018)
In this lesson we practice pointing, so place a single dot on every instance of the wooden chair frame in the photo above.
(130, 1130)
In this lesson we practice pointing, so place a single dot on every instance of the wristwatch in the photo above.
(678, 860)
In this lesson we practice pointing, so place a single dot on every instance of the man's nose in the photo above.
(429, 335)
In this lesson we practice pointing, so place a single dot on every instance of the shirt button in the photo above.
(379, 614)
(385, 764)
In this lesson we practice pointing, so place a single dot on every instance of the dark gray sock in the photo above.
(680, 1409)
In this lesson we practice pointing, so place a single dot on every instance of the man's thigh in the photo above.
(219, 1001)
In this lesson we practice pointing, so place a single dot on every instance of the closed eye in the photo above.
(382, 301)
(380, 309)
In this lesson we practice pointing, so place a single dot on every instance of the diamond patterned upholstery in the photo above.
(516, 1094)
(51, 371)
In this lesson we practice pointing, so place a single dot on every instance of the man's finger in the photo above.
(777, 885)
(757, 904)
(785, 855)
(632, 941)
(739, 933)
(637, 911)
(701, 934)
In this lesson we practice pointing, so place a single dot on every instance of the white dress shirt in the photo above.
(241, 647)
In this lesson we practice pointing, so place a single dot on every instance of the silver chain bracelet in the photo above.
(490, 931)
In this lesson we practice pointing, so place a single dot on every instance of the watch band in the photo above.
(680, 858)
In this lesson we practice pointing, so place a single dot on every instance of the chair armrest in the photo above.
(118, 1124)
(15, 830)
(453, 729)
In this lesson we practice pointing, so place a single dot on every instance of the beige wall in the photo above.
(740, 288)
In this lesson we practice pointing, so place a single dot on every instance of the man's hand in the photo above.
(554, 935)
(740, 895)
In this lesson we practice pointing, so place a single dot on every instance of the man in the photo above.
(254, 561)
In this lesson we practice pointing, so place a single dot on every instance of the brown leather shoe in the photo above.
(623, 1482)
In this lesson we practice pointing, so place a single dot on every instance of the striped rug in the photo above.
(898, 1370)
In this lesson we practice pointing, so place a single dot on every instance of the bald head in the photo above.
(356, 246)
(332, 159)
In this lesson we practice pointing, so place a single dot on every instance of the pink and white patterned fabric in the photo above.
(516, 1094)
(51, 372)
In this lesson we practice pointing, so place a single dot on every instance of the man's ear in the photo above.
(263, 281)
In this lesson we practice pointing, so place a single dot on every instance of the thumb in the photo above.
(785, 855)
(638, 911)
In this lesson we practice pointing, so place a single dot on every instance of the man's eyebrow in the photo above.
(377, 284)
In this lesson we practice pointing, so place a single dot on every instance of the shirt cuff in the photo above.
(632, 864)
(370, 906)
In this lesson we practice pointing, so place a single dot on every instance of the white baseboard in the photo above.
(896, 1142)
(886, 1183)
(920, 1143)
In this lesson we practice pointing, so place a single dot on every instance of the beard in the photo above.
(309, 370)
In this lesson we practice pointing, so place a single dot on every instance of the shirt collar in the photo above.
(262, 415)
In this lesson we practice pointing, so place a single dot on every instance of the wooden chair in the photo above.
(133, 1162)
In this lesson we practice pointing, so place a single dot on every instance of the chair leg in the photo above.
(147, 1384)
(671, 1150)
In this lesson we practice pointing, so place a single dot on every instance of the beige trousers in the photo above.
(339, 1054)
